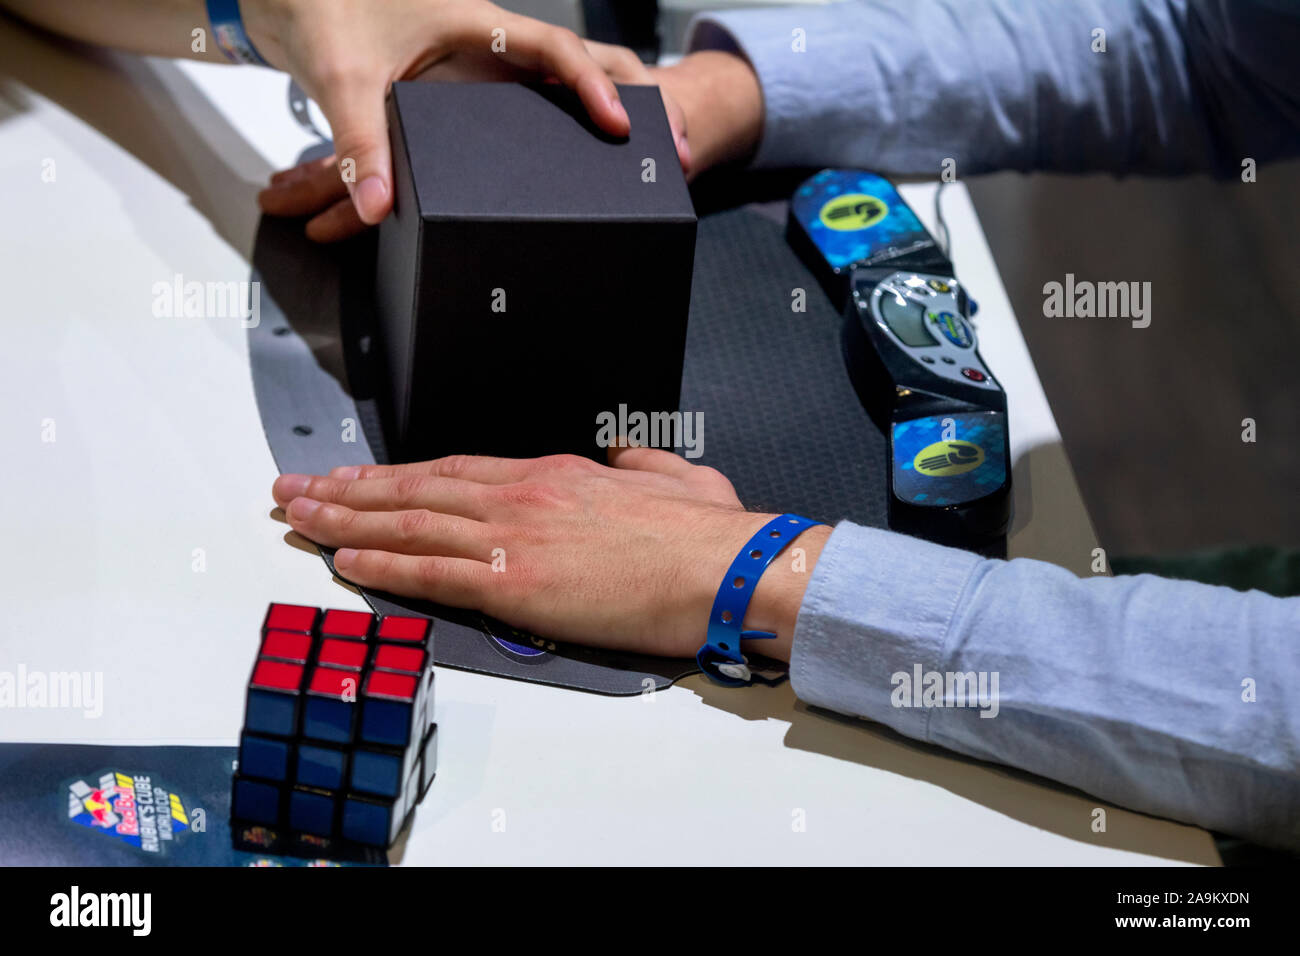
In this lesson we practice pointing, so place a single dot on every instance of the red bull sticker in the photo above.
(132, 808)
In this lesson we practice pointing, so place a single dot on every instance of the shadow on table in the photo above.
(1021, 796)
(151, 109)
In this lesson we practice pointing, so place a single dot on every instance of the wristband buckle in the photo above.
(719, 657)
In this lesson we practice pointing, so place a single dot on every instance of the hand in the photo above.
(713, 101)
(625, 67)
(628, 557)
(346, 53)
(721, 102)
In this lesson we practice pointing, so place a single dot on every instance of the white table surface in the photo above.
(159, 451)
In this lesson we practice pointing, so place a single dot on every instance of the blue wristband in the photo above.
(231, 37)
(719, 657)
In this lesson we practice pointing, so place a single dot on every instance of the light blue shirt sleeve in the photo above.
(900, 86)
(1168, 697)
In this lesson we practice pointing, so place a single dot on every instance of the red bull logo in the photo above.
(129, 807)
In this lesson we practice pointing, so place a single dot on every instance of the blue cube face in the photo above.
(256, 801)
(387, 722)
(264, 757)
(271, 712)
(368, 822)
(328, 718)
(377, 772)
(320, 766)
(311, 811)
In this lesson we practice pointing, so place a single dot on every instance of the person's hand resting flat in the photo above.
(628, 556)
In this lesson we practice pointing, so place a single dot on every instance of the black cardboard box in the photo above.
(535, 272)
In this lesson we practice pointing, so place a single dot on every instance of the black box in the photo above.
(535, 272)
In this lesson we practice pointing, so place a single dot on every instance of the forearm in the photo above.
(775, 605)
(158, 27)
(902, 86)
(722, 94)
(1167, 697)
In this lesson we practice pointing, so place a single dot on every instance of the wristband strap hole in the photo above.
(720, 656)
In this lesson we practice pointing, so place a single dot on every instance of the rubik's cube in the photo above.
(339, 742)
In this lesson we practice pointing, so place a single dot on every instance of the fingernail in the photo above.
(685, 153)
(347, 472)
(617, 106)
(303, 507)
(370, 196)
(291, 486)
(344, 557)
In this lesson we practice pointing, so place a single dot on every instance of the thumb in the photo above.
(356, 115)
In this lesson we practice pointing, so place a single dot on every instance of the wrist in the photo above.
(267, 22)
(774, 606)
(723, 102)
(779, 595)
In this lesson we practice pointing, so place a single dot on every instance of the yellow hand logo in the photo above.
(946, 458)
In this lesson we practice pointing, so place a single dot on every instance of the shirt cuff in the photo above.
(878, 604)
(794, 97)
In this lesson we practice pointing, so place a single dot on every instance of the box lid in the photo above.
(516, 151)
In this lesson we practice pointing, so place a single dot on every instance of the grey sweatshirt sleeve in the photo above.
(1168, 697)
(900, 86)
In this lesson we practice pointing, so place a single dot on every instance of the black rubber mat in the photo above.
(780, 416)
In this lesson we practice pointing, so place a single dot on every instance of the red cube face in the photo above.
(291, 617)
(286, 646)
(411, 629)
(401, 687)
(393, 657)
(340, 653)
(277, 675)
(354, 624)
(333, 682)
